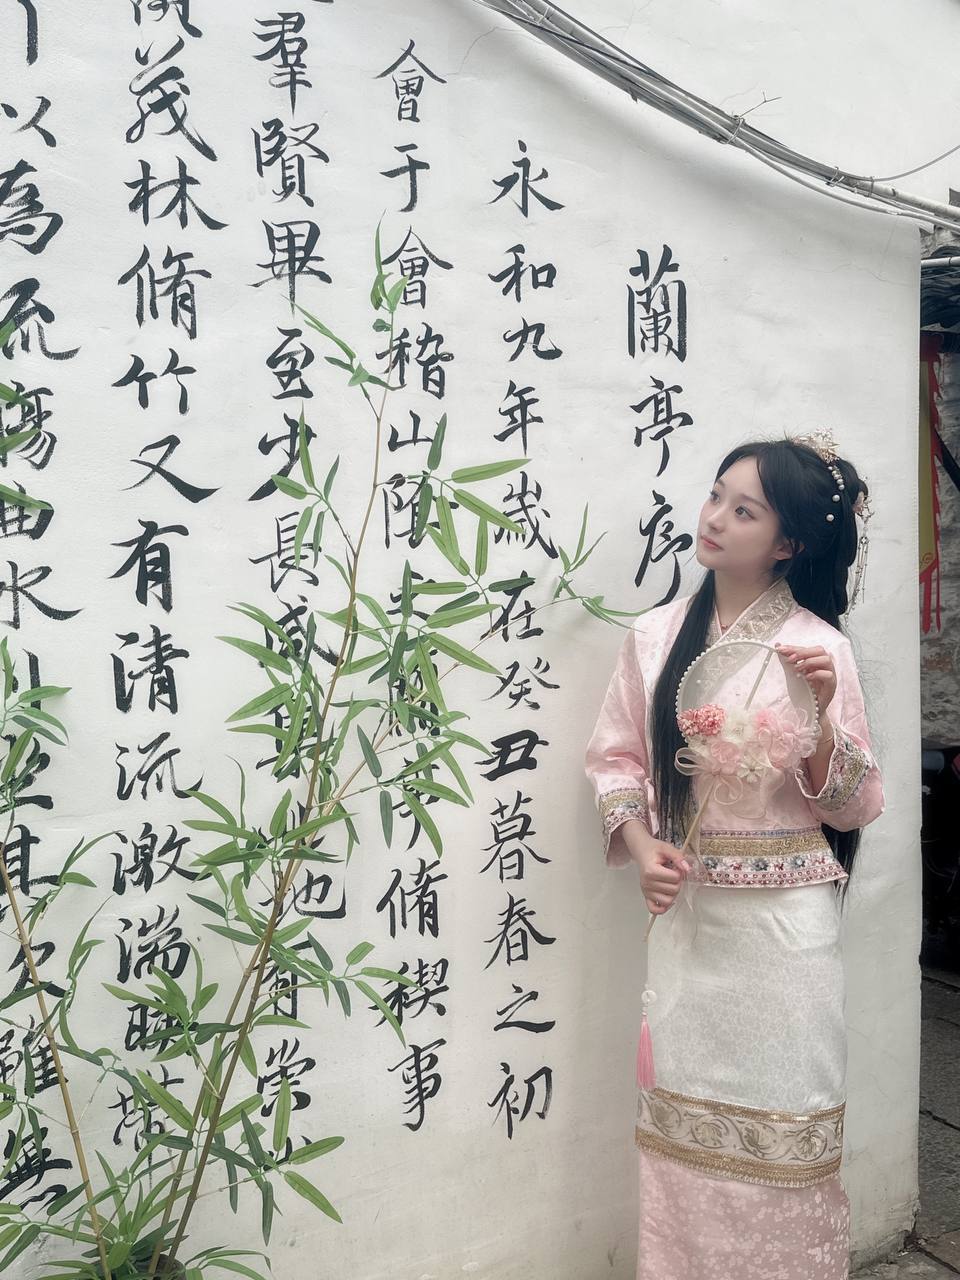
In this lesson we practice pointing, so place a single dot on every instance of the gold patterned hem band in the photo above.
(849, 765)
(617, 806)
(746, 1144)
(779, 859)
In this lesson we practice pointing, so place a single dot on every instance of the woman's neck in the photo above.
(733, 595)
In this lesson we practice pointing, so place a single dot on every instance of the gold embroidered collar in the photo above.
(761, 619)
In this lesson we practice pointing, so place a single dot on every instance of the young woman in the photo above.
(740, 1141)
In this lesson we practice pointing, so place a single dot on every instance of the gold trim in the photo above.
(752, 1113)
(761, 619)
(739, 1170)
(749, 844)
(849, 765)
(748, 1144)
(616, 799)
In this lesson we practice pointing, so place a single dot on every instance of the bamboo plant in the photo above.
(346, 720)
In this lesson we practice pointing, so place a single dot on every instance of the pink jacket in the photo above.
(785, 846)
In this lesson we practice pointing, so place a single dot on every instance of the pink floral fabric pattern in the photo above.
(697, 1227)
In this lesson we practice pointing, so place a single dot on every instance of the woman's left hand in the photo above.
(816, 665)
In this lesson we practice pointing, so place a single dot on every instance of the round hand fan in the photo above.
(747, 720)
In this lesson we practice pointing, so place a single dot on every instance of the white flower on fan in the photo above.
(753, 763)
(738, 726)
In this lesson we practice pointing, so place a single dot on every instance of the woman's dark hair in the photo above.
(799, 486)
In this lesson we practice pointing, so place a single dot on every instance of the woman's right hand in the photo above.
(662, 867)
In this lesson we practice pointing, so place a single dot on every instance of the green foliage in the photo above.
(334, 726)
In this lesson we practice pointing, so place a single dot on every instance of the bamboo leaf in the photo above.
(428, 674)
(331, 476)
(457, 651)
(27, 1237)
(429, 826)
(468, 475)
(292, 488)
(386, 816)
(479, 508)
(281, 1115)
(311, 1193)
(448, 529)
(267, 701)
(24, 994)
(366, 746)
(18, 438)
(446, 550)
(268, 657)
(164, 1099)
(267, 1205)
(432, 788)
(343, 995)
(376, 609)
(438, 588)
(306, 465)
(361, 664)
(10, 396)
(382, 1005)
(248, 1057)
(482, 547)
(436, 447)
(257, 615)
(396, 655)
(229, 1118)
(389, 975)
(253, 1141)
(359, 951)
(424, 504)
(314, 1149)
(229, 1264)
(322, 328)
(18, 499)
(453, 617)
(15, 755)
(395, 293)
(278, 822)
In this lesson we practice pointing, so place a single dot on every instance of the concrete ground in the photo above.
(935, 1255)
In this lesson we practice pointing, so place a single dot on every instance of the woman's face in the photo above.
(739, 532)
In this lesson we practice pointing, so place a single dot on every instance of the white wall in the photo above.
(802, 312)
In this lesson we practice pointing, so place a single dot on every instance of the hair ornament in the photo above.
(825, 446)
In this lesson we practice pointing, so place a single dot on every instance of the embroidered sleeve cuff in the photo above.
(849, 765)
(616, 807)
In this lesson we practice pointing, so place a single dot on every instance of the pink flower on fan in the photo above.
(724, 755)
(767, 720)
(790, 740)
(705, 721)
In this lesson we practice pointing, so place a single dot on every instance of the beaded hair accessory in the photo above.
(823, 444)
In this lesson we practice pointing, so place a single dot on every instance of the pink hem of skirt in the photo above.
(694, 1226)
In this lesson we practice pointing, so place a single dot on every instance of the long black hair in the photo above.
(799, 487)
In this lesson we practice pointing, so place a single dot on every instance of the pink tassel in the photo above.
(646, 1077)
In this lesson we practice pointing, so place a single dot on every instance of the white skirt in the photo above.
(741, 1139)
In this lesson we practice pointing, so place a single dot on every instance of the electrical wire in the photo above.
(568, 35)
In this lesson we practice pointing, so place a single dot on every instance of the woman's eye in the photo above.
(744, 510)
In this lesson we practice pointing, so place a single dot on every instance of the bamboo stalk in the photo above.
(27, 949)
(263, 949)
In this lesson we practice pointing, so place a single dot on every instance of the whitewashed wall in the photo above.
(800, 313)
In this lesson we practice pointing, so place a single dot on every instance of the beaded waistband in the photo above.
(768, 859)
